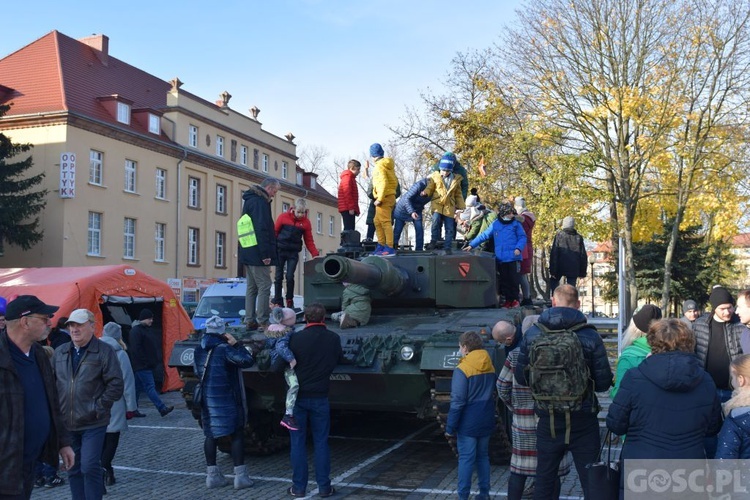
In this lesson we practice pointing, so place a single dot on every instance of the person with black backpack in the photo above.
(563, 361)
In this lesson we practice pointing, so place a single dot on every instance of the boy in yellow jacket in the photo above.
(384, 184)
(445, 188)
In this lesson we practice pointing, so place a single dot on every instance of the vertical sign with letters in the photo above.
(67, 175)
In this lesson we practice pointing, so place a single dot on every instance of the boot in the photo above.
(214, 477)
(241, 479)
(347, 321)
(336, 316)
(290, 303)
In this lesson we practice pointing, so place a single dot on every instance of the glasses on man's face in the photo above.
(38, 316)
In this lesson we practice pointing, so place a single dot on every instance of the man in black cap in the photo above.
(144, 357)
(29, 406)
(717, 343)
(690, 312)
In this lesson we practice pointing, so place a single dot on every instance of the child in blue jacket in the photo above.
(734, 437)
(510, 240)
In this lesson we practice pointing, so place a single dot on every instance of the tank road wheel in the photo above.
(500, 448)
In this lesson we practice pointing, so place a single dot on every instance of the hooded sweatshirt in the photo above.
(472, 411)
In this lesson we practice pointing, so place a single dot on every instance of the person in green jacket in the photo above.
(356, 306)
(635, 346)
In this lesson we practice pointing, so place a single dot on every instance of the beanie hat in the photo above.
(145, 314)
(376, 151)
(276, 316)
(447, 161)
(520, 203)
(569, 223)
(689, 305)
(471, 200)
(645, 316)
(215, 324)
(290, 316)
(720, 295)
(504, 209)
(113, 330)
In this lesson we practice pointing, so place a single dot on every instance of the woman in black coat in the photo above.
(222, 409)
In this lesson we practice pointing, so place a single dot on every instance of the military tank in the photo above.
(403, 359)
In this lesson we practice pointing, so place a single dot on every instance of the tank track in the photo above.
(500, 447)
(263, 434)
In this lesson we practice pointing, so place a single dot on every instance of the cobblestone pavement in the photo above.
(372, 458)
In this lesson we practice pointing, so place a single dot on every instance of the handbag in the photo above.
(198, 390)
(604, 475)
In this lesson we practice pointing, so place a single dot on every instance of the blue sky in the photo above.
(335, 73)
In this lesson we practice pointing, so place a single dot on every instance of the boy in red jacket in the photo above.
(349, 194)
(291, 227)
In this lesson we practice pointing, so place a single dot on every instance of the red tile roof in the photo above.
(741, 240)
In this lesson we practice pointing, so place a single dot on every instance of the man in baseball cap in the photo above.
(25, 305)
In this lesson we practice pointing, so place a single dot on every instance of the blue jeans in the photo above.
(316, 413)
(473, 452)
(438, 220)
(85, 477)
(398, 227)
(144, 381)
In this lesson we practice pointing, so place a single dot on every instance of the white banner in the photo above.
(67, 175)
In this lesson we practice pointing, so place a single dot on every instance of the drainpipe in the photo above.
(179, 215)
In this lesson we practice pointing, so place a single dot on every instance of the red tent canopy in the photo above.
(87, 287)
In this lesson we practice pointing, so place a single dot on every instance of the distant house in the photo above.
(741, 251)
(591, 288)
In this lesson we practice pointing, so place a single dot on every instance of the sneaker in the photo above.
(336, 316)
(527, 302)
(378, 249)
(54, 481)
(386, 250)
(347, 321)
(289, 422)
(251, 325)
(513, 303)
(138, 414)
(329, 493)
(166, 411)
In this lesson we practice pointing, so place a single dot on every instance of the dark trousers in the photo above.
(287, 262)
(517, 483)
(370, 231)
(85, 477)
(349, 220)
(584, 445)
(111, 441)
(555, 282)
(507, 279)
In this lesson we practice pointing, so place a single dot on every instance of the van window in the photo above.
(225, 307)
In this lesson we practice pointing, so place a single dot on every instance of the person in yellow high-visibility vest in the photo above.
(258, 251)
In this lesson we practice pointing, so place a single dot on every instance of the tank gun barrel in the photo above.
(373, 272)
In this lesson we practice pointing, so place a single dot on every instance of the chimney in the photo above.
(100, 44)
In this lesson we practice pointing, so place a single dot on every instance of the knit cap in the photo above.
(471, 200)
(113, 330)
(689, 305)
(215, 324)
(645, 316)
(376, 151)
(283, 316)
(720, 295)
(146, 314)
(569, 223)
(447, 161)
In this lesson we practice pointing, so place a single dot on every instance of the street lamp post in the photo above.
(593, 304)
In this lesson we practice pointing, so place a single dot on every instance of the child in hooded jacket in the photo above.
(278, 334)
(734, 437)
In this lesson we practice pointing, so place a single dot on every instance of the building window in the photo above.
(331, 223)
(96, 162)
(243, 155)
(95, 234)
(299, 178)
(265, 163)
(284, 169)
(161, 183)
(128, 250)
(123, 113)
(219, 146)
(312, 182)
(597, 291)
(159, 241)
(154, 124)
(255, 158)
(221, 240)
(319, 223)
(583, 291)
(193, 246)
(285, 207)
(221, 199)
(193, 136)
(194, 192)
(130, 171)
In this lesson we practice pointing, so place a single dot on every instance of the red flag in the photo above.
(482, 172)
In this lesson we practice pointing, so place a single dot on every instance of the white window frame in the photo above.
(193, 136)
(154, 124)
(221, 199)
(312, 182)
(193, 246)
(96, 167)
(94, 234)
(284, 169)
(131, 169)
(161, 184)
(285, 206)
(221, 245)
(194, 192)
(265, 163)
(128, 238)
(319, 223)
(331, 224)
(160, 236)
(123, 113)
(243, 155)
(219, 146)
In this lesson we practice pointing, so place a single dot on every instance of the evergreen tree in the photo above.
(19, 204)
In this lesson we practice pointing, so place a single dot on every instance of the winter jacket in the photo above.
(445, 201)
(734, 437)
(460, 170)
(560, 318)
(317, 351)
(384, 179)
(290, 231)
(258, 206)
(348, 192)
(529, 221)
(472, 410)
(222, 411)
(666, 406)
(732, 332)
(356, 302)
(370, 219)
(12, 417)
(58, 337)
(630, 357)
(118, 421)
(143, 352)
(508, 236)
(412, 201)
(480, 225)
(87, 396)
(568, 255)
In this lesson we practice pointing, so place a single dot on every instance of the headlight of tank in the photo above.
(407, 353)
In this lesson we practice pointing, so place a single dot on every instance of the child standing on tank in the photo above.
(278, 333)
